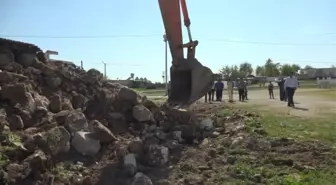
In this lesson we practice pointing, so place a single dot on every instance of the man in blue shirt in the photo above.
(219, 86)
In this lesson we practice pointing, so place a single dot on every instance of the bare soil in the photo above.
(307, 104)
(238, 155)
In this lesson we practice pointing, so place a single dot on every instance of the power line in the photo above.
(273, 43)
(80, 37)
(296, 61)
(155, 35)
(321, 34)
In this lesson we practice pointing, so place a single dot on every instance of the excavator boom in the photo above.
(190, 80)
(170, 11)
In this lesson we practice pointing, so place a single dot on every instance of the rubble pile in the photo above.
(59, 123)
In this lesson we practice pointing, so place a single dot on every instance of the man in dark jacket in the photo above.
(210, 94)
(281, 89)
(270, 90)
(241, 89)
(219, 86)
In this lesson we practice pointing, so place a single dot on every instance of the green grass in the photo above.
(321, 93)
(283, 125)
(300, 128)
(145, 90)
(280, 124)
(313, 177)
(150, 92)
(288, 176)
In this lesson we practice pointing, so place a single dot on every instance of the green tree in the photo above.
(231, 71)
(308, 67)
(226, 70)
(260, 71)
(286, 69)
(235, 73)
(245, 69)
(271, 68)
(295, 68)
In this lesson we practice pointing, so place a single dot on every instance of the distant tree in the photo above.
(333, 66)
(231, 71)
(136, 78)
(260, 71)
(245, 69)
(271, 68)
(286, 69)
(308, 67)
(295, 68)
(235, 73)
(226, 70)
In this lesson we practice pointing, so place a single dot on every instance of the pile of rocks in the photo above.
(48, 109)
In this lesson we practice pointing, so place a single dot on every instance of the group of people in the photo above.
(218, 87)
(287, 88)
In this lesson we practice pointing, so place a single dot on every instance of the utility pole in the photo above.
(104, 69)
(82, 64)
(166, 61)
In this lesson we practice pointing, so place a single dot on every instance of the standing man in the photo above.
(285, 96)
(245, 91)
(291, 85)
(281, 89)
(211, 94)
(241, 89)
(230, 86)
(219, 86)
(270, 90)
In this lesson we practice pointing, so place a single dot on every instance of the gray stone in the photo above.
(58, 140)
(141, 179)
(141, 113)
(85, 144)
(130, 165)
(157, 155)
(206, 124)
(76, 121)
(15, 123)
(101, 133)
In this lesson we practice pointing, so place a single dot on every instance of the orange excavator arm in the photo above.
(170, 10)
(190, 80)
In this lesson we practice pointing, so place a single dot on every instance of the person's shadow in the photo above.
(301, 108)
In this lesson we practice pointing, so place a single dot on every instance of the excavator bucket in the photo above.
(190, 81)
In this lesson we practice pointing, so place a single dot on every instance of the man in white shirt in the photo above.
(290, 85)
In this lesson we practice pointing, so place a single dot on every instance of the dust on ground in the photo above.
(307, 105)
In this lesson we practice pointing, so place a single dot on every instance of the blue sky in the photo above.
(306, 26)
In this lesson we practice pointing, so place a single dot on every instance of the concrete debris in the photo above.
(54, 111)
(130, 164)
(141, 179)
(85, 144)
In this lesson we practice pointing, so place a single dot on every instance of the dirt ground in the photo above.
(238, 157)
(309, 102)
